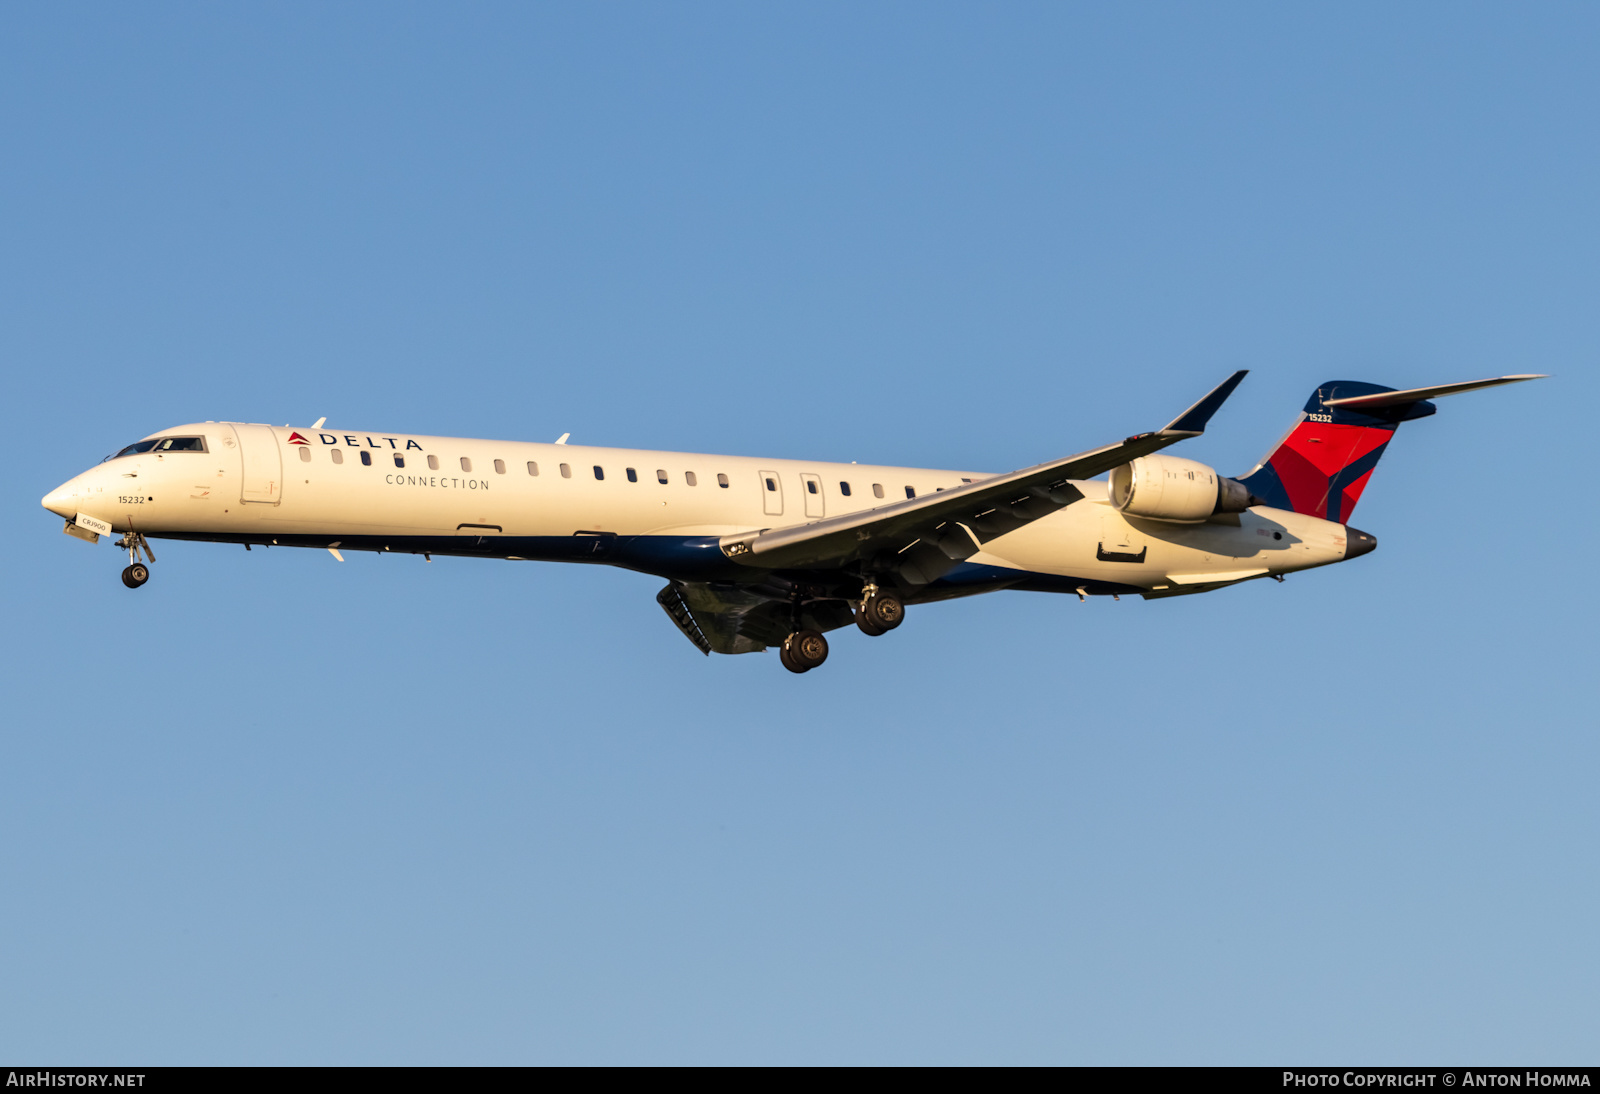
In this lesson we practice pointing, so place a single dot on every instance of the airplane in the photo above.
(759, 553)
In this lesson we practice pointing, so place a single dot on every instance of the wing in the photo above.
(930, 534)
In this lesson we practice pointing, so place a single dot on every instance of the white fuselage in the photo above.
(509, 499)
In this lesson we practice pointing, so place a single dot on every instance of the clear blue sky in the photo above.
(274, 809)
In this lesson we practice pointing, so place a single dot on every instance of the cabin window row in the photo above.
(689, 477)
(662, 477)
(632, 474)
(812, 487)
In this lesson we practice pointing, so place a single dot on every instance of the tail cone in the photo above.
(1358, 543)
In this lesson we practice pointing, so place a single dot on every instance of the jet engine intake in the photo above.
(1174, 489)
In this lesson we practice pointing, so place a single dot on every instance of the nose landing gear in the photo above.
(136, 573)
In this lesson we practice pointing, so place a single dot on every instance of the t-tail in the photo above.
(1323, 463)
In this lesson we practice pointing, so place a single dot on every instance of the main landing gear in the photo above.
(806, 649)
(803, 651)
(880, 612)
(136, 573)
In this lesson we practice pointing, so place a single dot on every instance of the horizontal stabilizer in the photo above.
(1417, 394)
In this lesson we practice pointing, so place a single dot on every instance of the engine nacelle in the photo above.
(1179, 490)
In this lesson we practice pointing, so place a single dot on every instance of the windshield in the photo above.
(164, 444)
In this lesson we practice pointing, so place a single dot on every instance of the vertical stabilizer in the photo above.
(1323, 463)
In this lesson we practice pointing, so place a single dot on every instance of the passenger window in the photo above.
(533, 468)
(910, 493)
(599, 473)
(305, 455)
(499, 467)
(811, 486)
(566, 471)
(688, 477)
(877, 489)
(844, 488)
(366, 458)
(966, 480)
(722, 480)
(466, 464)
(399, 460)
(633, 476)
(772, 485)
(338, 457)
(433, 461)
(661, 476)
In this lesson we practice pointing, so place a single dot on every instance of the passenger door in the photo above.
(262, 480)
(771, 494)
(812, 485)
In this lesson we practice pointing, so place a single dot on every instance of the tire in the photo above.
(135, 575)
(788, 662)
(865, 622)
(807, 649)
(886, 610)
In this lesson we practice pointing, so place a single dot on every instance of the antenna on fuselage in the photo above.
(318, 423)
(563, 438)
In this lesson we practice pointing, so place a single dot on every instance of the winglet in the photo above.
(1192, 422)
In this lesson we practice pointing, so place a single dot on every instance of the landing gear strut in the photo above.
(803, 651)
(137, 573)
(880, 612)
(805, 648)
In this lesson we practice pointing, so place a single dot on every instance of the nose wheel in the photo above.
(136, 573)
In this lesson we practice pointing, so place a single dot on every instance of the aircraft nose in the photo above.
(61, 501)
(1358, 543)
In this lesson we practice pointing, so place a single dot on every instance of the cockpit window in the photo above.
(165, 444)
(181, 444)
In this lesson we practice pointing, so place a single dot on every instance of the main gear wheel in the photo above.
(803, 651)
(880, 613)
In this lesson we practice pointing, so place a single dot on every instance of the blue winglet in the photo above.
(1193, 421)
